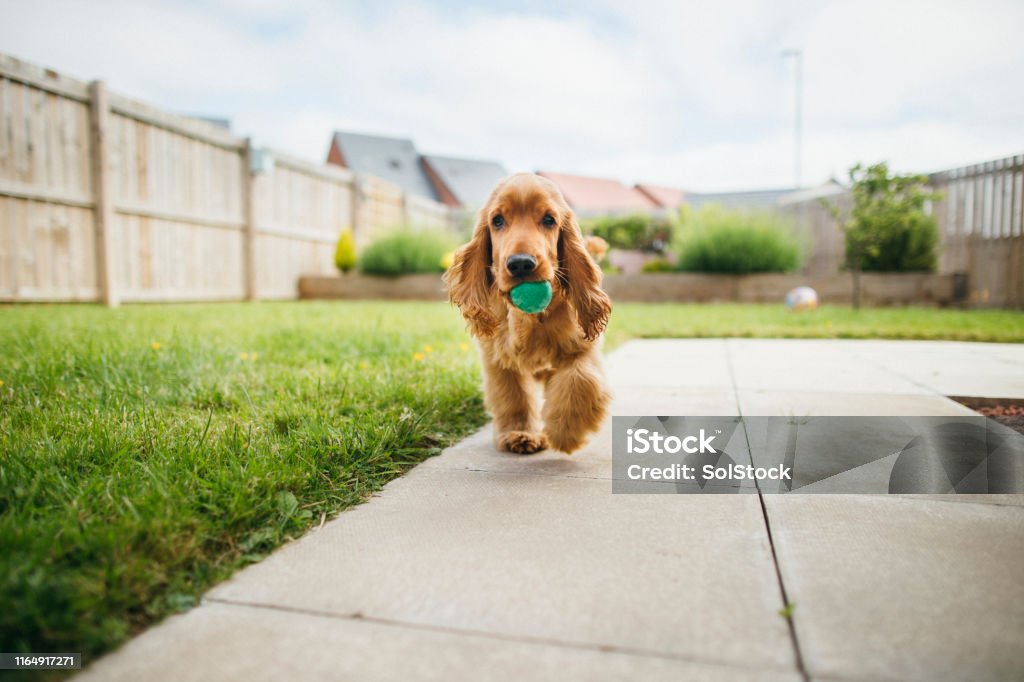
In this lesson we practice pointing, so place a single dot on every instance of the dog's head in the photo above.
(526, 232)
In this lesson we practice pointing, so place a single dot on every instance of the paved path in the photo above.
(479, 565)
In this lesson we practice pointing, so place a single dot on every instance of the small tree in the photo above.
(887, 229)
(345, 253)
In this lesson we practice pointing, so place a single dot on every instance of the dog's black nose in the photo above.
(521, 264)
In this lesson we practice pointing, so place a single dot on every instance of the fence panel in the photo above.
(980, 215)
(817, 231)
(46, 217)
(381, 208)
(96, 188)
(300, 209)
(178, 192)
(427, 214)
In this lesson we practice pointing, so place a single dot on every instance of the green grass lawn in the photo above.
(148, 452)
(758, 320)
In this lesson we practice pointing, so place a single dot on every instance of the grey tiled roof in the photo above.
(470, 180)
(394, 159)
(753, 199)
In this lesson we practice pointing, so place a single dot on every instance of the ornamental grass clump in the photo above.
(737, 242)
(406, 252)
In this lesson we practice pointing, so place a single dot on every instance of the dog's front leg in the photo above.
(576, 401)
(511, 397)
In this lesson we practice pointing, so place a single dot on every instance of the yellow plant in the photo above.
(345, 253)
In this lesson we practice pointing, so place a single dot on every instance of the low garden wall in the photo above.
(360, 287)
(877, 289)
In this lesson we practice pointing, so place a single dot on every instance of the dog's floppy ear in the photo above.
(470, 281)
(581, 278)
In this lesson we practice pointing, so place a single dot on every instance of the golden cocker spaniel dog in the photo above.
(527, 233)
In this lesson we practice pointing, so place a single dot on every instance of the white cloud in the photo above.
(768, 162)
(694, 94)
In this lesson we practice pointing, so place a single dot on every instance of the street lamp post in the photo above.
(798, 58)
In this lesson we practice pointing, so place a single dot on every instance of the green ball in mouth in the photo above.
(531, 297)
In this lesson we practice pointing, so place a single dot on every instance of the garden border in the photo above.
(877, 288)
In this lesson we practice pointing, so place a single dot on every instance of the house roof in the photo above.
(827, 189)
(394, 159)
(753, 199)
(469, 180)
(666, 197)
(598, 195)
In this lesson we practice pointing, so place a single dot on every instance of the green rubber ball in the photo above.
(531, 297)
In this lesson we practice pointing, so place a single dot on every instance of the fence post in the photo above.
(103, 208)
(249, 224)
(356, 206)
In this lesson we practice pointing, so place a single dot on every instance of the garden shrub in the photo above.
(634, 231)
(887, 229)
(406, 252)
(658, 265)
(737, 242)
(345, 253)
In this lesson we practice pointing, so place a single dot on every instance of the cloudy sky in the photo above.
(687, 94)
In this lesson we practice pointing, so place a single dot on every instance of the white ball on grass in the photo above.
(802, 298)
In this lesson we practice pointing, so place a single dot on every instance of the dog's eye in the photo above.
(547, 220)
(498, 222)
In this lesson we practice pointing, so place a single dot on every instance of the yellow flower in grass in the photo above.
(1, 382)
(364, 365)
(418, 357)
(244, 356)
(428, 349)
(254, 356)
(155, 345)
(464, 346)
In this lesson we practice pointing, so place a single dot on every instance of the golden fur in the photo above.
(558, 349)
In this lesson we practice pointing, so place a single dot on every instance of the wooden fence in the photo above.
(981, 225)
(979, 215)
(105, 198)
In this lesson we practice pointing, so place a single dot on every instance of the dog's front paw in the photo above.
(522, 442)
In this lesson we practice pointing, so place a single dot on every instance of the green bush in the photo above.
(345, 253)
(658, 265)
(634, 231)
(888, 229)
(737, 242)
(405, 252)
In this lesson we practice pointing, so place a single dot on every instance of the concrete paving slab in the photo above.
(257, 644)
(811, 365)
(708, 402)
(998, 499)
(543, 557)
(983, 370)
(477, 453)
(893, 588)
(822, 403)
(668, 363)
